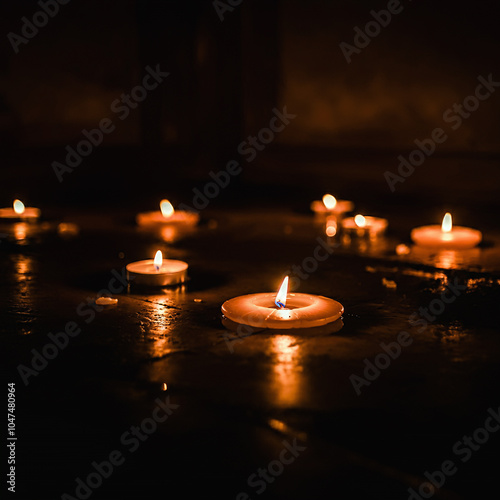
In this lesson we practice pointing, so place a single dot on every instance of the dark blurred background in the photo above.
(353, 120)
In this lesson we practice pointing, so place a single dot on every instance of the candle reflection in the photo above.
(446, 259)
(371, 245)
(23, 303)
(169, 234)
(287, 377)
(20, 231)
(158, 324)
(331, 226)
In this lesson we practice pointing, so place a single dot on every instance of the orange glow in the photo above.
(287, 380)
(331, 229)
(402, 249)
(164, 386)
(20, 231)
(167, 209)
(447, 224)
(158, 260)
(282, 293)
(329, 201)
(360, 221)
(18, 207)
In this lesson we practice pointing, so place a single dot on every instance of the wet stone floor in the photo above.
(273, 414)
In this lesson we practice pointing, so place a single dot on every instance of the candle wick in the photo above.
(279, 304)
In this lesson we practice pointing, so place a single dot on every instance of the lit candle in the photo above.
(330, 205)
(19, 211)
(282, 310)
(446, 235)
(364, 225)
(167, 215)
(157, 272)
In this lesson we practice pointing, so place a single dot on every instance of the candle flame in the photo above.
(167, 209)
(447, 224)
(360, 221)
(282, 293)
(18, 207)
(158, 260)
(329, 201)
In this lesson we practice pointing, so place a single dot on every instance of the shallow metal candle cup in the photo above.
(329, 205)
(301, 311)
(167, 216)
(19, 212)
(364, 226)
(146, 273)
(446, 235)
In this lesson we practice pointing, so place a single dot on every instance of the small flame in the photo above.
(18, 207)
(329, 201)
(158, 260)
(360, 221)
(164, 387)
(167, 209)
(282, 293)
(447, 224)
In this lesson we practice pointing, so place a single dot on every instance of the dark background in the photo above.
(352, 121)
(226, 77)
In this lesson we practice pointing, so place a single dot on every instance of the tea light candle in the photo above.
(330, 205)
(446, 235)
(19, 212)
(167, 215)
(282, 311)
(157, 272)
(364, 224)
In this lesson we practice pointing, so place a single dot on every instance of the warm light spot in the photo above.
(392, 285)
(282, 293)
(158, 260)
(277, 425)
(288, 383)
(68, 229)
(164, 386)
(402, 249)
(448, 259)
(169, 233)
(280, 426)
(20, 231)
(360, 221)
(331, 230)
(329, 201)
(106, 301)
(18, 207)
(167, 209)
(447, 224)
